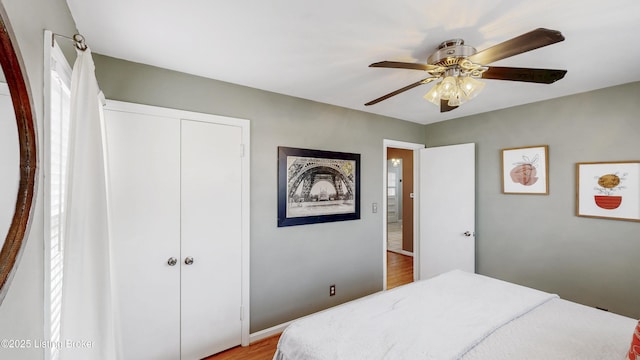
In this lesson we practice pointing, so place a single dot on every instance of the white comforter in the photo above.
(559, 329)
(440, 318)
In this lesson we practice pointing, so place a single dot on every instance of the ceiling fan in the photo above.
(458, 66)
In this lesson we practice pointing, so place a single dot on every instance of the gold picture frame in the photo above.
(525, 170)
(608, 190)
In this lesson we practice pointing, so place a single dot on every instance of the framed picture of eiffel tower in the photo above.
(316, 186)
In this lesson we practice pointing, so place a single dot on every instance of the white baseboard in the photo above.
(275, 330)
(263, 334)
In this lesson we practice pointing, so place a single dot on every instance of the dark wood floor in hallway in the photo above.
(399, 272)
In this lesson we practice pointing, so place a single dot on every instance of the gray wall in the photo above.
(291, 267)
(537, 240)
(21, 313)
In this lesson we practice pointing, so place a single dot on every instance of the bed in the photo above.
(458, 315)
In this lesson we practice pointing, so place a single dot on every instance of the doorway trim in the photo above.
(387, 143)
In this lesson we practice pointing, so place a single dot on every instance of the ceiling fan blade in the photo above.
(394, 93)
(542, 76)
(529, 41)
(404, 65)
(444, 106)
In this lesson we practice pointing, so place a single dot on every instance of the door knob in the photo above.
(467, 233)
(172, 261)
(188, 260)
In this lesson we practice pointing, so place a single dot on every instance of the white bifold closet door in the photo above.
(211, 229)
(174, 192)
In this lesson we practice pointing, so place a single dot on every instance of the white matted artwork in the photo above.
(525, 170)
(316, 186)
(608, 190)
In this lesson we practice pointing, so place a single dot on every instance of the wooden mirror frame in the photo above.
(15, 240)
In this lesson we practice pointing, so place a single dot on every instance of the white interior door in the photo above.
(211, 234)
(447, 209)
(144, 200)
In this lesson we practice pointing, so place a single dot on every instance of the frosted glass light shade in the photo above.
(455, 100)
(434, 95)
(448, 88)
(471, 87)
(455, 89)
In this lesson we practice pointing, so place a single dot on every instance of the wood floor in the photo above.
(399, 269)
(399, 272)
(259, 350)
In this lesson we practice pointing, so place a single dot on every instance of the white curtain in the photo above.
(87, 319)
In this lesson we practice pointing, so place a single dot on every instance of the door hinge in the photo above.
(241, 313)
(241, 150)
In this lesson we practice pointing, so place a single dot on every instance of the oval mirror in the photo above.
(17, 159)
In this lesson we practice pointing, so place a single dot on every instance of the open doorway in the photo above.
(400, 212)
(399, 201)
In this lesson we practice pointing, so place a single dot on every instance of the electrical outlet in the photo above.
(332, 290)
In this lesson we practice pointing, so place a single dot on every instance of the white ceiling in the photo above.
(321, 50)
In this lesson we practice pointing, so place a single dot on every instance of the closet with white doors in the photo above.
(178, 189)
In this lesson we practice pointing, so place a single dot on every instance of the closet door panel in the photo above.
(144, 198)
(211, 235)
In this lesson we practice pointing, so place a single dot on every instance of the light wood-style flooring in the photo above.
(399, 272)
(259, 350)
(399, 269)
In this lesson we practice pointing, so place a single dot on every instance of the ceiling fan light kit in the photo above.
(457, 87)
(459, 66)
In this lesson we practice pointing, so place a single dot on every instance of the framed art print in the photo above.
(609, 190)
(525, 170)
(316, 186)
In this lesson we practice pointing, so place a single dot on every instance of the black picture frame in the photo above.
(317, 186)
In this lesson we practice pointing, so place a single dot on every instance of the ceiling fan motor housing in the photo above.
(450, 53)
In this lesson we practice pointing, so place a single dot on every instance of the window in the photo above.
(57, 119)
